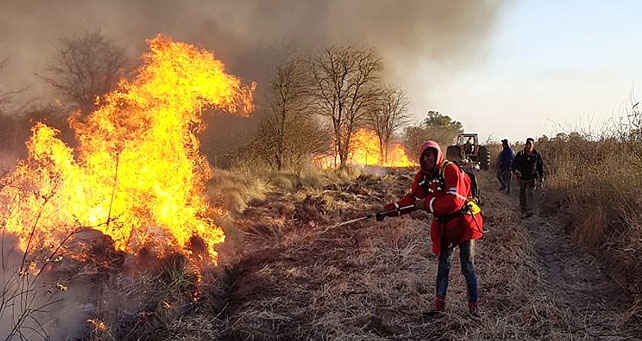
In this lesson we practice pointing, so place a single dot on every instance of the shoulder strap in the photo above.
(442, 167)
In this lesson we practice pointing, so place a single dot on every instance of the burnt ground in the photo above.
(297, 277)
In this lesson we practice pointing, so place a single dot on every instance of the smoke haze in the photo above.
(421, 41)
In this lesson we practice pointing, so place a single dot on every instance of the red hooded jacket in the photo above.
(444, 199)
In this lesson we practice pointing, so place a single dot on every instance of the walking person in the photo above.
(504, 163)
(528, 167)
(443, 189)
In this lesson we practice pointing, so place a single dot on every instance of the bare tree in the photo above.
(343, 87)
(387, 116)
(302, 138)
(289, 102)
(7, 96)
(290, 134)
(86, 67)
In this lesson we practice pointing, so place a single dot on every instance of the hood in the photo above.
(440, 156)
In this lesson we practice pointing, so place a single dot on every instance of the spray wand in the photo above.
(377, 215)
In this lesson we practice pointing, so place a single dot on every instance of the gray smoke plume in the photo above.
(422, 42)
(415, 37)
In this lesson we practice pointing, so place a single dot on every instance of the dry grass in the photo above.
(598, 187)
(232, 190)
(290, 275)
(373, 280)
(495, 149)
(595, 187)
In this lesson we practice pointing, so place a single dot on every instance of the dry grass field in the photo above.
(286, 272)
(291, 275)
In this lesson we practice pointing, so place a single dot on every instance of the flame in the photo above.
(97, 324)
(138, 175)
(397, 157)
(364, 151)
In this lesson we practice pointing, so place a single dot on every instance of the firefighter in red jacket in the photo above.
(442, 189)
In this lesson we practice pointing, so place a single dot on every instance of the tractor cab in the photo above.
(467, 152)
(468, 143)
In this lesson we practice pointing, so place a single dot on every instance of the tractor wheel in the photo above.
(453, 153)
(484, 158)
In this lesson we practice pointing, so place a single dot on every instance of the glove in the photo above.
(388, 211)
(379, 216)
(389, 207)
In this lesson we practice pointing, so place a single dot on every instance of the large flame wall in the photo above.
(138, 175)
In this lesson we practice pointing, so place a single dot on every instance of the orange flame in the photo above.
(364, 151)
(97, 324)
(138, 176)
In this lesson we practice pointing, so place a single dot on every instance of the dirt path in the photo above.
(571, 276)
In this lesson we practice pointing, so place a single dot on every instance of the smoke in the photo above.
(27, 300)
(423, 42)
(430, 36)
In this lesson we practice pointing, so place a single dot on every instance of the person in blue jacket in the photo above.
(504, 164)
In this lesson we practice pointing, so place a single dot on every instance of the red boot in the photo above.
(440, 307)
(440, 304)
(473, 308)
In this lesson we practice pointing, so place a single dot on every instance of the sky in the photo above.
(553, 66)
(504, 68)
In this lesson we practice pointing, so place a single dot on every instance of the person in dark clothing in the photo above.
(504, 163)
(529, 169)
(468, 146)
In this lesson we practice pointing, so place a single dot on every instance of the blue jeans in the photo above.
(466, 258)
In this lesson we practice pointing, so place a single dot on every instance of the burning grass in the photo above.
(365, 151)
(292, 276)
(138, 176)
(132, 192)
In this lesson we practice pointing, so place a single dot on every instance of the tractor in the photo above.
(468, 153)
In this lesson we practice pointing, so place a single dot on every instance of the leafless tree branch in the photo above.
(387, 116)
(343, 87)
(85, 68)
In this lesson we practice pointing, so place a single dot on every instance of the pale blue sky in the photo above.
(549, 63)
